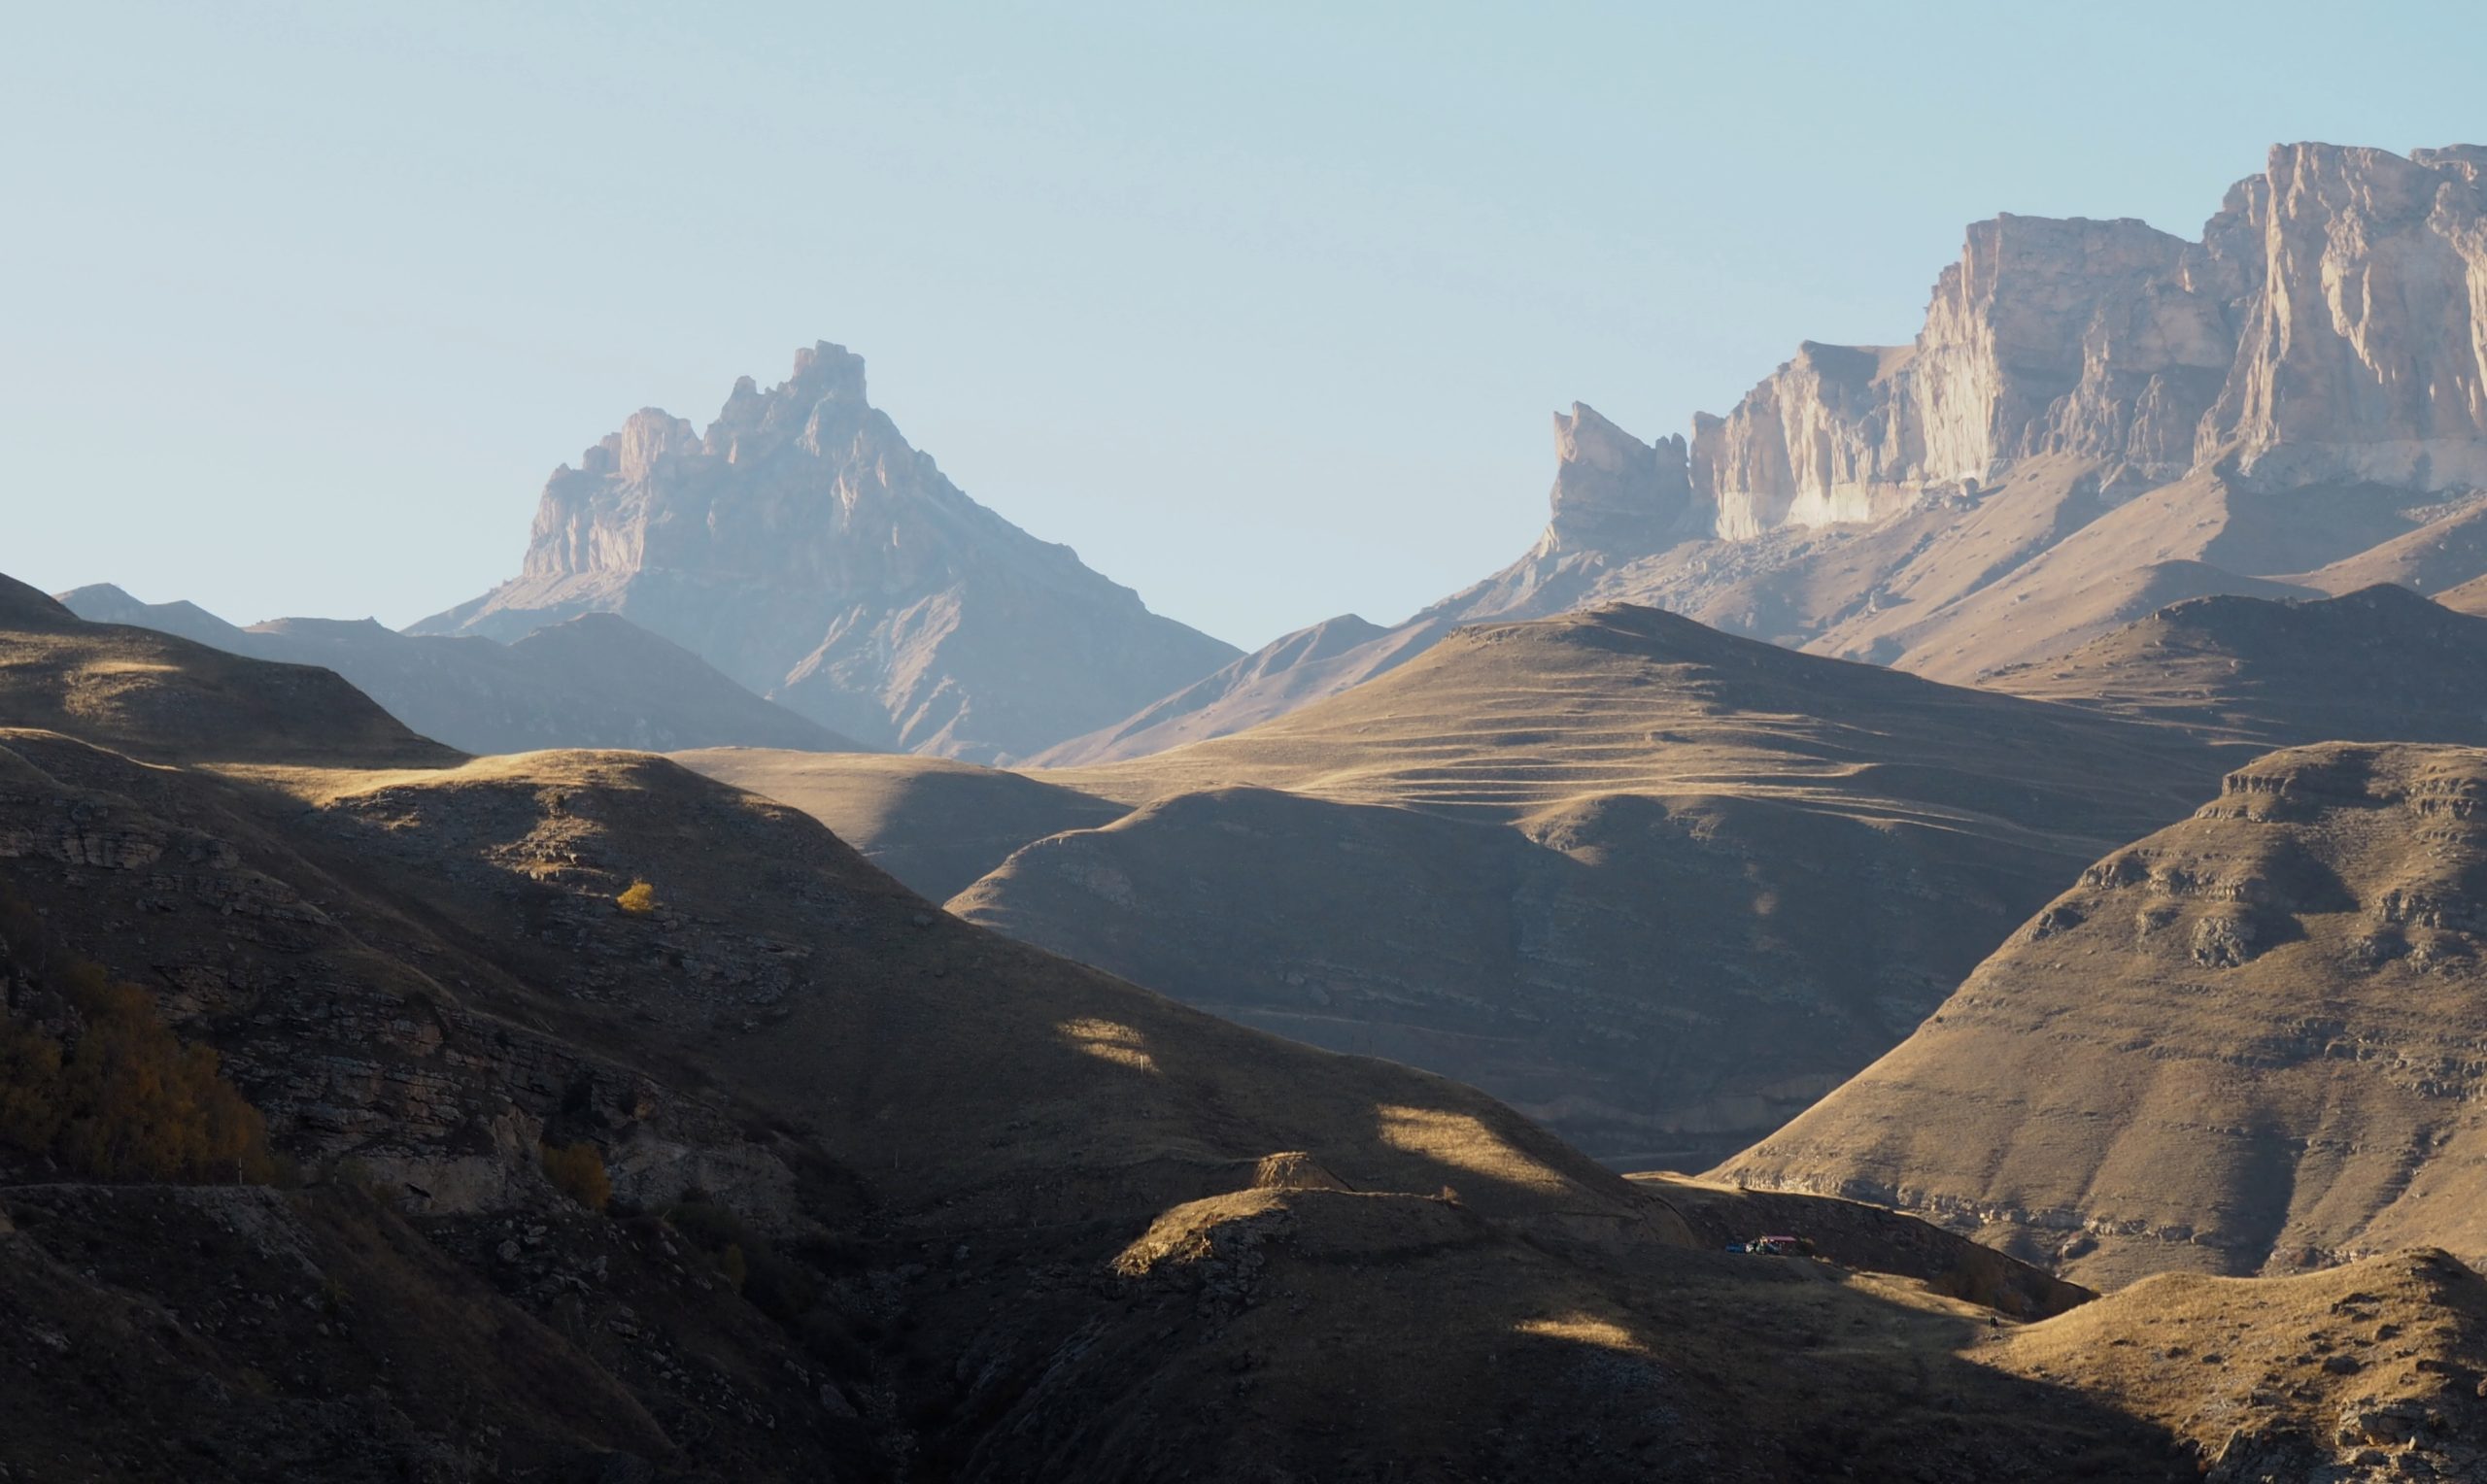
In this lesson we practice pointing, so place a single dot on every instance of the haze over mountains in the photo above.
(802, 547)
(2097, 419)
(594, 681)
(2011, 807)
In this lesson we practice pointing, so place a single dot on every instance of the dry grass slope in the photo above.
(993, 1216)
(1658, 885)
(2378, 665)
(2247, 1043)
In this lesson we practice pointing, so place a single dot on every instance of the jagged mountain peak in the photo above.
(802, 545)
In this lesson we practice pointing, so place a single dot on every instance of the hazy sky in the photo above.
(1261, 306)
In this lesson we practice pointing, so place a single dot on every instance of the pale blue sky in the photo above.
(1261, 308)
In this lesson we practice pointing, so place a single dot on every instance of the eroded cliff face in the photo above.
(804, 548)
(2358, 352)
(1612, 492)
(2323, 329)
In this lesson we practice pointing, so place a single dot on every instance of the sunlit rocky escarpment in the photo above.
(2095, 419)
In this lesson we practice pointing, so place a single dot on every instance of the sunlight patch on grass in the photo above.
(1108, 1041)
(1583, 1330)
(1462, 1140)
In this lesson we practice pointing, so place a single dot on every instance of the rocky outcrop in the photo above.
(2046, 336)
(2095, 417)
(804, 548)
(2363, 280)
(1615, 499)
(2321, 330)
(1614, 494)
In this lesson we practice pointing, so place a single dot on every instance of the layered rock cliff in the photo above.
(804, 548)
(2323, 330)
(2095, 419)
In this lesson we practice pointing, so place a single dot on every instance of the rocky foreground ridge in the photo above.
(802, 547)
(773, 1171)
(2097, 418)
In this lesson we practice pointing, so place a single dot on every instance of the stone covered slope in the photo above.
(594, 681)
(1658, 885)
(2374, 666)
(802, 547)
(893, 1196)
(2247, 1043)
(2097, 418)
(2369, 1372)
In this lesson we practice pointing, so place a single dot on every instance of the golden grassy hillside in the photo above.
(1658, 887)
(2247, 1043)
(888, 1194)
(157, 696)
(2368, 1371)
(934, 824)
(2381, 663)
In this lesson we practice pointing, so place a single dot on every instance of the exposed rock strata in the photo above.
(2095, 418)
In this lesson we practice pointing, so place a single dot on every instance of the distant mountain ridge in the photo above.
(593, 681)
(2097, 418)
(802, 547)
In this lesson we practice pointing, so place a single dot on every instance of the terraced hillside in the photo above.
(1658, 887)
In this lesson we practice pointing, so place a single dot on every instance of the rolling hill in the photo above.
(1656, 886)
(2380, 664)
(594, 681)
(888, 1192)
(892, 1195)
(2246, 1043)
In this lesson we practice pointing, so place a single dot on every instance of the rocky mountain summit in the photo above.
(2097, 418)
(802, 547)
(596, 680)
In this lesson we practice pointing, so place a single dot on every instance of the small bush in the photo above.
(638, 900)
(128, 1099)
(577, 1170)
